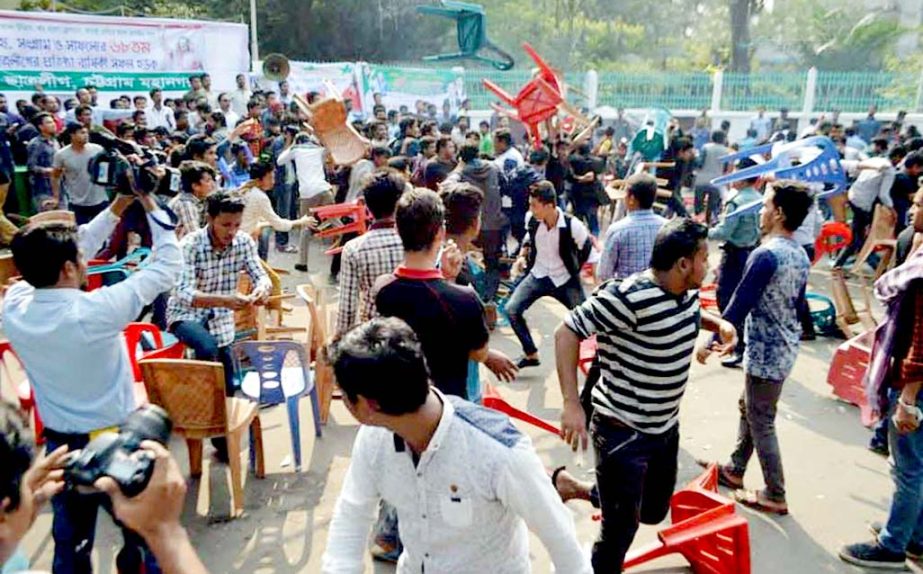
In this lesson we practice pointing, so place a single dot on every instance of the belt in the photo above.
(80, 437)
(609, 421)
(731, 247)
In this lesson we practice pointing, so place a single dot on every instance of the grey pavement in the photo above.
(835, 486)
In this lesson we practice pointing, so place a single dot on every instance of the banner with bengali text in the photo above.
(61, 52)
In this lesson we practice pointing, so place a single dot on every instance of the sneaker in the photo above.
(733, 362)
(871, 555)
(300, 267)
(914, 549)
(528, 362)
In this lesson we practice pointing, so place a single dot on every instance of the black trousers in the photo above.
(635, 477)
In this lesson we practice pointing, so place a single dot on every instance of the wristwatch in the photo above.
(910, 409)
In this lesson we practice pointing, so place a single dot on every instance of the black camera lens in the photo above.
(149, 422)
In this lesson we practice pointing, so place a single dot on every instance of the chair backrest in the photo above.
(192, 392)
(59, 215)
(7, 356)
(267, 359)
(317, 312)
(133, 334)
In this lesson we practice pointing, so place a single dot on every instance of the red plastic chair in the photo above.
(587, 354)
(700, 495)
(716, 541)
(847, 369)
(834, 235)
(133, 334)
(708, 297)
(356, 211)
(493, 400)
(23, 390)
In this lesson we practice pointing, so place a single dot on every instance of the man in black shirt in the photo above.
(584, 175)
(448, 319)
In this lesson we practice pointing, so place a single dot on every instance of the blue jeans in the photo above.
(530, 290)
(195, 335)
(262, 245)
(905, 520)
(74, 526)
(284, 199)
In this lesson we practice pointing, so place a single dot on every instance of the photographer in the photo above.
(26, 484)
(70, 344)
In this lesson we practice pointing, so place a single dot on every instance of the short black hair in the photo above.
(468, 152)
(897, 152)
(718, 137)
(72, 128)
(443, 142)
(38, 118)
(154, 91)
(380, 151)
(192, 172)
(381, 191)
(381, 360)
(405, 124)
(401, 163)
(503, 135)
(539, 156)
(420, 215)
(678, 239)
(914, 159)
(683, 144)
(42, 249)
(260, 169)
(123, 128)
(794, 199)
(197, 145)
(643, 187)
(427, 141)
(544, 192)
(17, 451)
(223, 202)
(462, 207)
(880, 143)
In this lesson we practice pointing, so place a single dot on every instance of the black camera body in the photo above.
(112, 169)
(118, 455)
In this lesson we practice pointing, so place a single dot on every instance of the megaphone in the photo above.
(276, 67)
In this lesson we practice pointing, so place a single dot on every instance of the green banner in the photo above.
(21, 81)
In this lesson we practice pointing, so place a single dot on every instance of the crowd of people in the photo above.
(470, 226)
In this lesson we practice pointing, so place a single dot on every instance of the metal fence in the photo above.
(845, 91)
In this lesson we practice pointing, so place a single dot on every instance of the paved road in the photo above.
(835, 485)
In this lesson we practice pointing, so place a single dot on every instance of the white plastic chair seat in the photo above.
(293, 383)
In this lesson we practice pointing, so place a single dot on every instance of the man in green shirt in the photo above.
(487, 141)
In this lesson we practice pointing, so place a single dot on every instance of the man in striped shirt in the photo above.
(646, 328)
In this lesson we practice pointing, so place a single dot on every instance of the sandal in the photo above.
(754, 499)
(726, 478)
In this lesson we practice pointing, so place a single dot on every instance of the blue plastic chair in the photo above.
(270, 382)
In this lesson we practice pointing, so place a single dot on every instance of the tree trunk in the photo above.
(740, 35)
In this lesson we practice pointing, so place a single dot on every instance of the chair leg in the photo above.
(257, 460)
(323, 382)
(194, 446)
(294, 427)
(315, 406)
(237, 486)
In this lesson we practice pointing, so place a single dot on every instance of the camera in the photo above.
(118, 455)
(112, 169)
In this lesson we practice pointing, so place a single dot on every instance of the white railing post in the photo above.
(810, 93)
(591, 89)
(716, 86)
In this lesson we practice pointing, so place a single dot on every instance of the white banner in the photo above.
(307, 77)
(118, 52)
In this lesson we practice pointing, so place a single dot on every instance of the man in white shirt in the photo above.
(69, 341)
(761, 124)
(224, 106)
(466, 484)
(285, 94)
(508, 157)
(554, 249)
(240, 96)
(258, 208)
(85, 98)
(159, 115)
(313, 188)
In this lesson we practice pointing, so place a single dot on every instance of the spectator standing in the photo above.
(761, 124)
(868, 128)
(159, 115)
(41, 151)
(84, 197)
